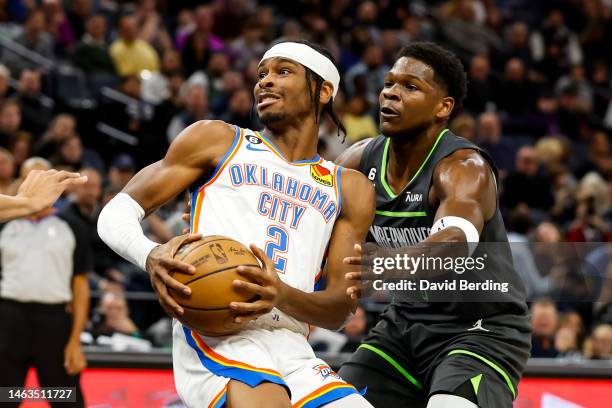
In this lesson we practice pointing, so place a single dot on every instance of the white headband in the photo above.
(309, 58)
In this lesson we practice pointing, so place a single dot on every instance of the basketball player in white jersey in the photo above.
(269, 189)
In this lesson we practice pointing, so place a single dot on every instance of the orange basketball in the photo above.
(215, 258)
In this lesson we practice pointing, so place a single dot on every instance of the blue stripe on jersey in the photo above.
(338, 173)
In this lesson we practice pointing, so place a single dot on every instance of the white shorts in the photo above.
(203, 367)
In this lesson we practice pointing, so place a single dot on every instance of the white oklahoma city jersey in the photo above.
(288, 209)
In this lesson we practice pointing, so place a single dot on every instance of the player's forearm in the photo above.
(328, 308)
(119, 228)
(80, 306)
(14, 207)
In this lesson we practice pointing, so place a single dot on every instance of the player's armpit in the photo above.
(465, 187)
(193, 154)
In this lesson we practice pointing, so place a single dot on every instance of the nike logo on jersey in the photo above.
(254, 149)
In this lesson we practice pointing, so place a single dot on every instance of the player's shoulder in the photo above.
(351, 157)
(357, 191)
(464, 160)
(210, 130)
(202, 141)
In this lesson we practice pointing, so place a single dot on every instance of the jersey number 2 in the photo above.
(277, 246)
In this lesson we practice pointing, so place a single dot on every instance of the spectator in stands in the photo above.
(359, 125)
(78, 15)
(564, 190)
(544, 319)
(518, 43)
(121, 171)
(481, 92)
(566, 343)
(58, 25)
(7, 171)
(558, 44)
(5, 76)
(240, 110)
(519, 225)
(199, 45)
(196, 108)
(21, 147)
(34, 38)
(599, 345)
(501, 149)
(464, 125)
(573, 320)
(525, 184)
(91, 53)
(10, 122)
(592, 222)
(231, 82)
(573, 115)
(249, 45)
(516, 95)
(115, 316)
(69, 154)
(373, 68)
(85, 200)
(130, 54)
(72, 155)
(576, 78)
(151, 28)
(550, 153)
(36, 109)
(465, 35)
(600, 157)
(185, 25)
(61, 128)
(218, 66)
(600, 80)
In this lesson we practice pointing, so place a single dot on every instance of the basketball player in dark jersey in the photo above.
(433, 186)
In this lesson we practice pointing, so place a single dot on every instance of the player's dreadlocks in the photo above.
(312, 76)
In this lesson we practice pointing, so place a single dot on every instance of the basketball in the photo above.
(215, 258)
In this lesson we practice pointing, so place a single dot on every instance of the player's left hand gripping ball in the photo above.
(159, 264)
(268, 290)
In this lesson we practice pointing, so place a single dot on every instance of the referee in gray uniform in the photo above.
(44, 298)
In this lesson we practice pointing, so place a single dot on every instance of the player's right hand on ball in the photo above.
(159, 264)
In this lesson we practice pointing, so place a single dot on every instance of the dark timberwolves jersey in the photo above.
(406, 219)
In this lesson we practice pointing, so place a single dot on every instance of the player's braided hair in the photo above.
(312, 76)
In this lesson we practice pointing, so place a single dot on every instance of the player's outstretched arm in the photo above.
(38, 191)
(464, 186)
(192, 156)
(330, 308)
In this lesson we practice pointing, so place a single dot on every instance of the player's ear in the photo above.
(445, 108)
(327, 91)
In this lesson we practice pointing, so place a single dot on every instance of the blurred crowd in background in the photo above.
(104, 86)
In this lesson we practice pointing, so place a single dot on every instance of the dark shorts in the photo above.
(402, 362)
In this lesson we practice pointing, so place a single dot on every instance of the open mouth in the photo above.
(387, 112)
(265, 100)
